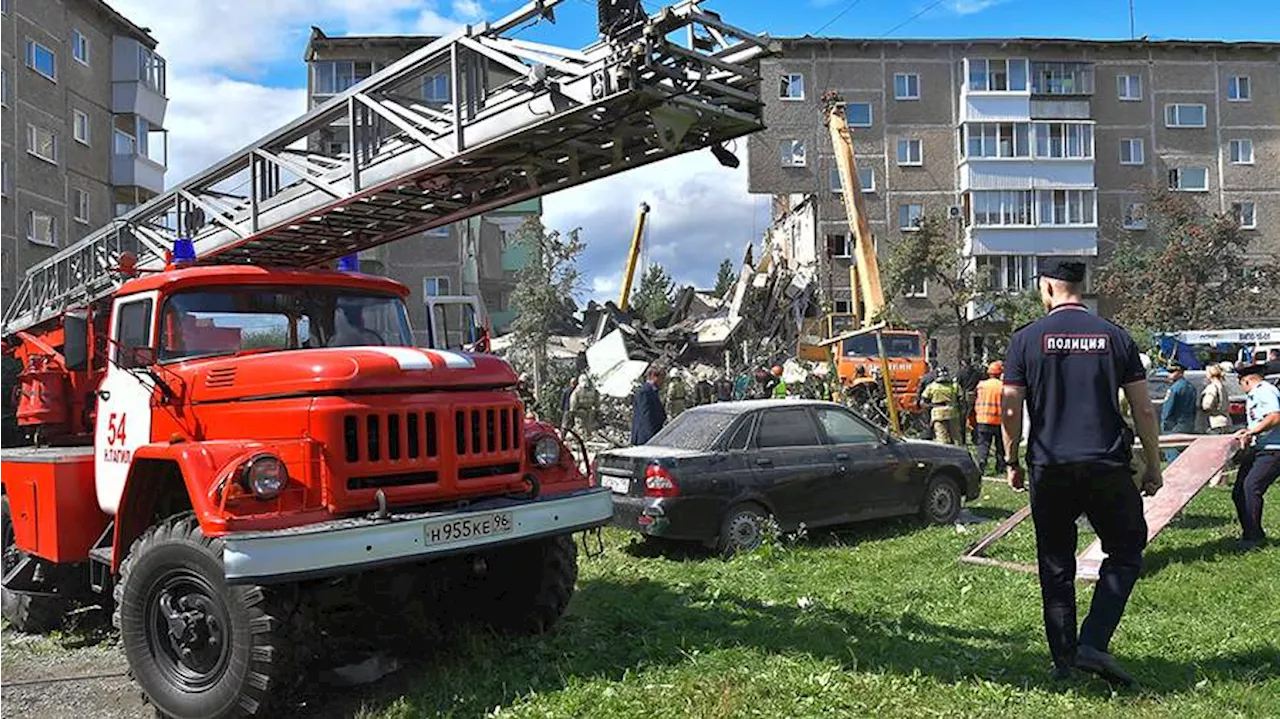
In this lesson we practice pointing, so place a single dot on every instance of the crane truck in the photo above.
(229, 434)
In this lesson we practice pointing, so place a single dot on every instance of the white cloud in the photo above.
(970, 7)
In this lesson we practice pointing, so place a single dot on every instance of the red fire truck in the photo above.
(228, 438)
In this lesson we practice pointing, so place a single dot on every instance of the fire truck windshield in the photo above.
(222, 321)
(894, 346)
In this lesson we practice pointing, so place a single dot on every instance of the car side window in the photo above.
(741, 437)
(786, 428)
(133, 330)
(843, 428)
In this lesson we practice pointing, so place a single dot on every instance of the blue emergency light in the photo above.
(349, 263)
(184, 251)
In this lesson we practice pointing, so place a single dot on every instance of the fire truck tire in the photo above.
(29, 613)
(196, 646)
(527, 586)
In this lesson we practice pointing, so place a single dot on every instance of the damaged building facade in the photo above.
(1029, 148)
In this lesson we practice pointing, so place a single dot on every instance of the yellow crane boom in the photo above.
(633, 256)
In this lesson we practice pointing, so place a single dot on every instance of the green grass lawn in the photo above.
(879, 620)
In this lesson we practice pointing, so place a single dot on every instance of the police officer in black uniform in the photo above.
(1069, 367)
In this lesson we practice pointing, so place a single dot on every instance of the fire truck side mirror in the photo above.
(75, 347)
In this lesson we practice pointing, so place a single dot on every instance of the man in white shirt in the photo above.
(1260, 465)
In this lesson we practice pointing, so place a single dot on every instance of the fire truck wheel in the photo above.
(196, 646)
(527, 586)
(26, 612)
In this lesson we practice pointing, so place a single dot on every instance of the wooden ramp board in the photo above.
(1183, 480)
(1204, 457)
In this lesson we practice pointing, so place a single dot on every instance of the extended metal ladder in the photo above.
(524, 119)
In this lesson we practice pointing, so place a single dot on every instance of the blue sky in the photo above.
(236, 72)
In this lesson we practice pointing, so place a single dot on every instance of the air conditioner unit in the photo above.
(954, 211)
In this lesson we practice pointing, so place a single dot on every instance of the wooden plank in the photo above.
(980, 549)
(1183, 479)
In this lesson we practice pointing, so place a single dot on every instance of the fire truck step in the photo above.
(99, 568)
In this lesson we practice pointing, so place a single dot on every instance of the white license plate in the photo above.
(619, 485)
(448, 531)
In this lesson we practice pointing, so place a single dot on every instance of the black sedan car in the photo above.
(716, 472)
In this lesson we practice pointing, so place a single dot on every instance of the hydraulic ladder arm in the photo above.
(524, 119)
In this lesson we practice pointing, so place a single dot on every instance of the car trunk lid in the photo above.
(623, 470)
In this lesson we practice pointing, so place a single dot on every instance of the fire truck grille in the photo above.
(490, 433)
(393, 436)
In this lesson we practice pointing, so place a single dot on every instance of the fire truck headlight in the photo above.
(546, 452)
(265, 475)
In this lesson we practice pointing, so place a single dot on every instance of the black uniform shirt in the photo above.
(1072, 364)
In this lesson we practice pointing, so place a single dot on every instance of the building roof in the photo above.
(1141, 42)
(320, 41)
(141, 34)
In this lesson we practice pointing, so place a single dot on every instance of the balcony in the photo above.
(1025, 173)
(138, 78)
(131, 163)
(1068, 241)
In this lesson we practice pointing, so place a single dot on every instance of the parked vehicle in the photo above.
(1159, 386)
(718, 471)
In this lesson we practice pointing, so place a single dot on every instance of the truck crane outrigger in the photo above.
(225, 430)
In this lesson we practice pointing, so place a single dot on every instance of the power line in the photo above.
(838, 15)
(897, 27)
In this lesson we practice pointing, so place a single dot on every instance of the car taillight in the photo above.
(658, 482)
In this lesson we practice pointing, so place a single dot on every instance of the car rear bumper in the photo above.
(691, 519)
(352, 545)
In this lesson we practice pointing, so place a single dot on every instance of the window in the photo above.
(133, 330)
(786, 428)
(1131, 151)
(858, 114)
(1245, 215)
(1135, 216)
(1189, 179)
(1238, 89)
(435, 286)
(909, 217)
(1241, 152)
(4, 87)
(1064, 140)
(6, 180)
(1129, 87)
(867, 179)
(435, 88)
(998, 139)
(42, 60)
(792, 152)
(842, 428)
(792, 86)
(42, 229)
(1066, 207)
(839, 244)
(1062, 78)
(81, 205)
(997, 75)
(906, 86)
(916, 288)
(1001, 207)
(842, 307)
(80, 126)
(910, 152)
(336, 148)
(334, 76)
(79, 46)
(441, 232)
(741, 438)
(1176, 115)
(1002, 273)
(151, 70)
(42, 143)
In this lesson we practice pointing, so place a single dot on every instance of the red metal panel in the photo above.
(54, 507)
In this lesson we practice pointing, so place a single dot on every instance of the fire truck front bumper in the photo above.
(347, 546)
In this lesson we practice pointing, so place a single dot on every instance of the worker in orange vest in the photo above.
(987, 417)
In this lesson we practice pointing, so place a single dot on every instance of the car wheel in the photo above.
(941, 501)
(742, 530)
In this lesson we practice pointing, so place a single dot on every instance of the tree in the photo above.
(933, 256)
(726, 278)
(544, 290)
(1192, 274)
(651, 299)
(1015, 309)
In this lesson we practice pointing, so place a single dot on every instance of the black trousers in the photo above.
(988, 437)
(1258, 471)
(1108, 497)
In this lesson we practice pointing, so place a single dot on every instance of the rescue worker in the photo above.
(1178, 415)
(582, 406)
(647, 415)
(565, 421)
(987, 417)
(677, 394)
(926, 379)
(943, 397)
(724, 389)
(1069, 367)
(1260, 465)
(779, 390)
(524, 387)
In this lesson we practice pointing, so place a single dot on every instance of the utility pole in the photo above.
(1132, 33)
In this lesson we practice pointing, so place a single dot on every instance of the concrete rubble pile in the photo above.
(704, 338)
